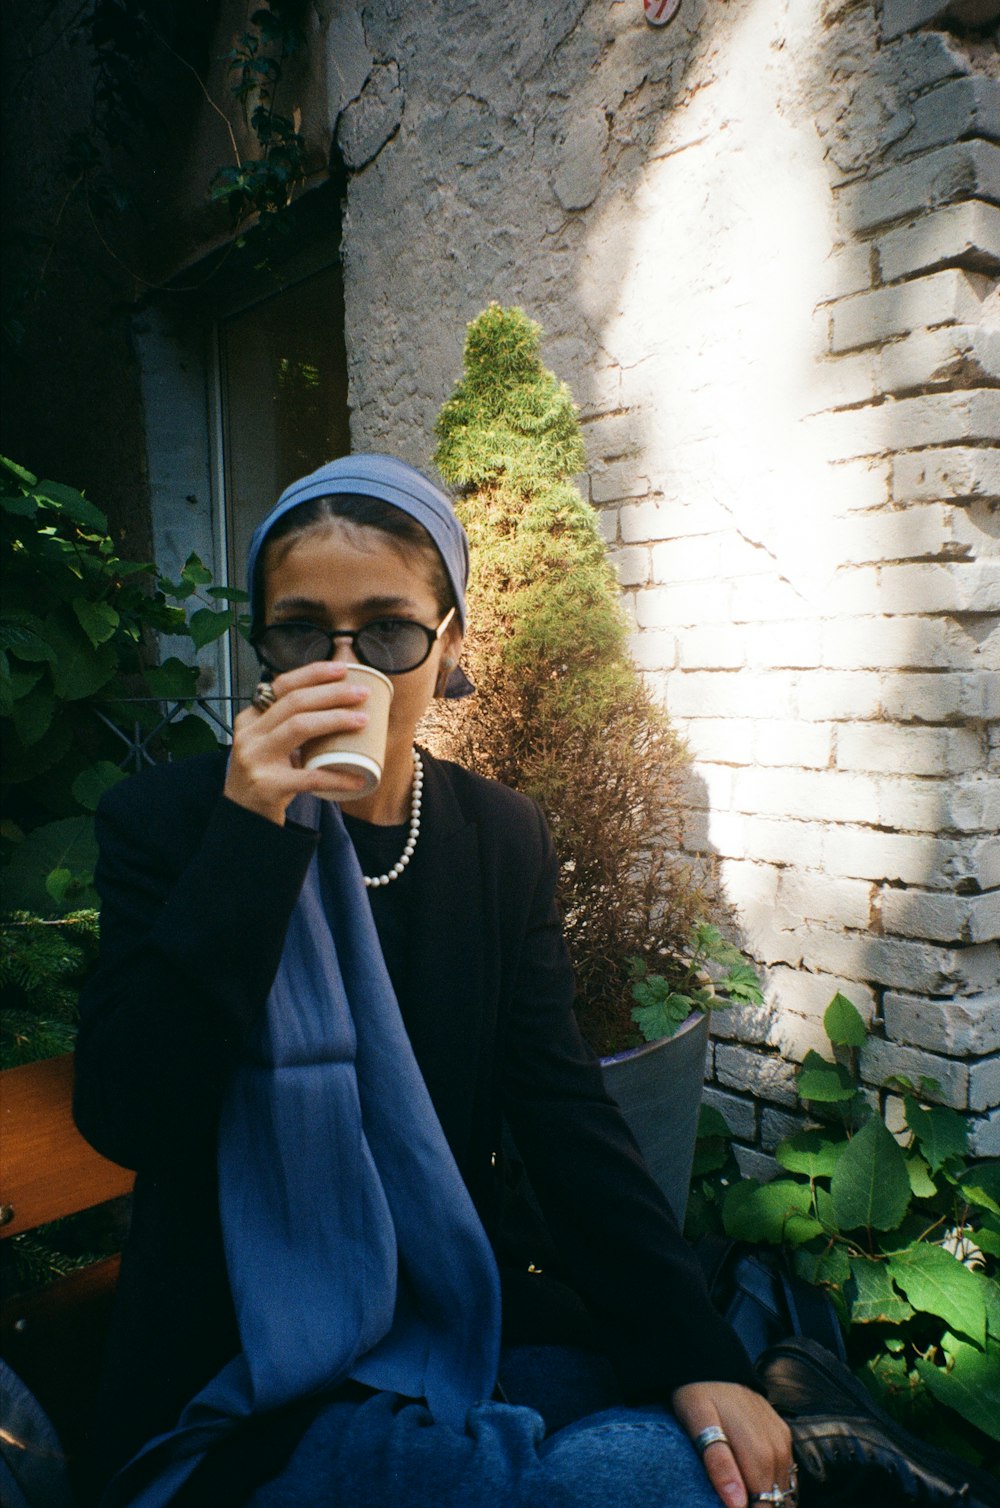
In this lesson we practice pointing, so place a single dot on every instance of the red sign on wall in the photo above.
(659, 12)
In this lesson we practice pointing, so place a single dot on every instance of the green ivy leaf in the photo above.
(843, 1023)
(779, 1212)
(228, 593)
(18, 471)
(870, 1186)
(981, 1186)
(206, 625)
(97, 619)
(988, 1240)
(68, 844)
(935, 1282)
(80, 669)
(712, 1122)
(970, 1384)
(189, 735)
(990, 1290)
(91, 783)
(829, 1267)
(814, 1153)
(195, 571)
(921, 1182)
(940, 1133)
(73, 504)
(173, 680)
(872, 1297)
(824, 1082)
(33, 716)
(22, 634)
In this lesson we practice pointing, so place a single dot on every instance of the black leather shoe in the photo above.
(850, 1453)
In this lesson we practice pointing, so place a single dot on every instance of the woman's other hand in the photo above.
(264, 771)
(759, 1450)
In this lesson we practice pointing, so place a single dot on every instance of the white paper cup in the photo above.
(360, 751)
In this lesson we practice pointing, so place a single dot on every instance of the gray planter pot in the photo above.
(658, 1087)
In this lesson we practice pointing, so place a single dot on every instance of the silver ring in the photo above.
(713, 1435)
(263, 696)
(777, 1496)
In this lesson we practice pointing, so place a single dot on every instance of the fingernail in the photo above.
(734, 1493)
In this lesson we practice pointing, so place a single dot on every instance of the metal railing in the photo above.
(140, 741)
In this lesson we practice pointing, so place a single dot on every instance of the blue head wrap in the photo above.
(404, 488)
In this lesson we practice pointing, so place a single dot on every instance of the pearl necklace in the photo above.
(394, 873)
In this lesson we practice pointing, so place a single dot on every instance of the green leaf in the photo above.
(22, 635)
(941, 1133)
(712, 1122)
(827, 1267)
(68, 844)
(189, 735)
(988, 1240)
(91, 783)
(870, 1186)
(33, 715)
(981, 1186)
(814, 1153)
(97, 619)
(195, 572)
(921, 1182)
(970, 1385)
(18, 471)
(173, 680)
(935, 1282)
(843, 1023)
(990, 1290)
(663, 1018)
(73, 504)
(872, 1297)
(780, 1212)
(824, 1082)
(206, 625)
(228, 593)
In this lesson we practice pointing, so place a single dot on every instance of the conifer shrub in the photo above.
(560, 711)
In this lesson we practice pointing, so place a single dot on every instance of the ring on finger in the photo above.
(264, 696)
(781, 1498)
(713, 1435)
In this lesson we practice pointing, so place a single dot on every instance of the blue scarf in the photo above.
(352, 1245)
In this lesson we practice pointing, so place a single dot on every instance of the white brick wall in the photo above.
(791, 400)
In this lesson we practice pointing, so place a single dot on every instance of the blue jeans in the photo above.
(387, 1452)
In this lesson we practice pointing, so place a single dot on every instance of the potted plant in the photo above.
(562, 713)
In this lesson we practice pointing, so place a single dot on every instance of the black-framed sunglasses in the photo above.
(392, 645)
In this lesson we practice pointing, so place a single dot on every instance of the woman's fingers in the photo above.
(757, 1454)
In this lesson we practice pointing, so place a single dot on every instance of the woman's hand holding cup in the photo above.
(265, 771)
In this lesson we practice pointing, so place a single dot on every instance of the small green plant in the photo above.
(902, 1231)
(43, 962)
(713, 976)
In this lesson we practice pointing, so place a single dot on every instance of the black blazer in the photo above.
(196, 893)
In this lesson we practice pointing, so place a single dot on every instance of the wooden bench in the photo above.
(53, 1337)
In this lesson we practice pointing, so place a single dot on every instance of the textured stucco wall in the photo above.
(763, 243)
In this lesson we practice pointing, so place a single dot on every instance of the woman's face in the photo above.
(344, 576)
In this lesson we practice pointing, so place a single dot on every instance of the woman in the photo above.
(310, 1307)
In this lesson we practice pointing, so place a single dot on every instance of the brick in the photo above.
(983, 863)
(967, 106)
(848, 270)
(662, 518)
(709, 785)
(943, 418)
(740, 1115)
(754, 1164)
(881, 1060)
(740, 1023)
(973, 806)
(984, 917)
(777, 1125)
(808, 995)
(891, 748)
(901, 16)
(966, 234)
(840, 695)
(894, 1115)
(768, 598)
(912, 858)
(748, 885)
(654, 649)
(822, 795)
(959, 587)
(984, 1136)
(980, 696)
(785, 742)
(690, 559)
(913, 804)
(959, 472)
(866, 319)
(612, 437)
(860, 485)
(873, 643)
(984, 1084)
(631, 565)
(901, 962)
(775, 646)
(796, 1036)
(927, 698)
(963, 170)
(716, 739)
(924, 913)
(717, 646)
(764, 1076)
(608, 524)
(769, 840)
(952, 356)
(684, 606)
(731, 693)
(819, 897)
(960, 1027)
(622, 479)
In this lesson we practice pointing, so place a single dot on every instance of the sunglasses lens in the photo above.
(394, 646)
(286, 646)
